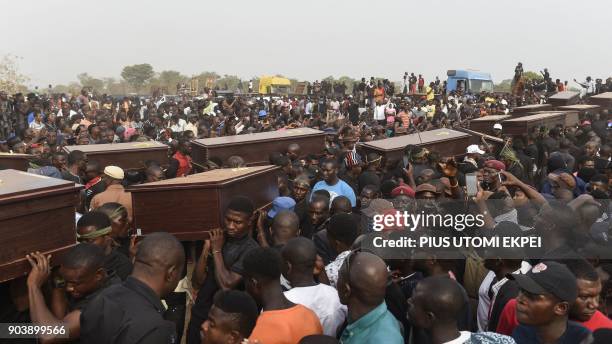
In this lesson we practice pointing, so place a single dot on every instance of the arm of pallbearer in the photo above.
(529, 191)
(199, 271)
(39, 311)
(226, 279)
(261, 228)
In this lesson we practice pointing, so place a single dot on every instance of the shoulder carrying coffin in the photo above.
(37, 213)
(190, 206)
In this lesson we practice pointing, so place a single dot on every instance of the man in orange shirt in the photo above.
(282, 321)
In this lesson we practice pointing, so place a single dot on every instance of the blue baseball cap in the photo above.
(263, 113)
(280, 204)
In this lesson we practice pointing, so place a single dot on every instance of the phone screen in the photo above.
(471, 183)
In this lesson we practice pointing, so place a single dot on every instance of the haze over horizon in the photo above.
(60, 39)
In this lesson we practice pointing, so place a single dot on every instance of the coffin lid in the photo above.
(535, 117)
(491, 118)
(605, 95)
(564, 95)
(531, 107)
(15, 156)
(17, 185)
(118, 147)
(265, 136)
(209, 179)
(579, 107)
(426, 137)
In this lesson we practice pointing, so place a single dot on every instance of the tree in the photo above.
(11, 80)
(529, 75)
(137, 75)
(88, 81)
(504, 86)
(170, 78)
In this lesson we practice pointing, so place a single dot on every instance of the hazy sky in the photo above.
(308, 39)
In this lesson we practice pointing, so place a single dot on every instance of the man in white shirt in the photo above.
(588, 85)
(299, 260)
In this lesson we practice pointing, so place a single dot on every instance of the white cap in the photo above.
(497, 126)
(114, 172)
(473, 149)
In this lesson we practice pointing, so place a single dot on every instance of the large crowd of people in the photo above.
(301, 271)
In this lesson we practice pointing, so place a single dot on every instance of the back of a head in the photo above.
(263, 264)
(88, 256)
(112, 209)
(341, 204)
(318, 339)
(159, 251)
(301, 253)
(368, 278)
(445, 298)
(240, 306)
(343, 228)
(286, 223)
(235, 161)
(97, 219)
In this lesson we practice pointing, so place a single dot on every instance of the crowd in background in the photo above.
(299, 271)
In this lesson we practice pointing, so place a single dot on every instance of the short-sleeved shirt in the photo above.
(377, 326)
(341, 188)
(233, 253)
(324, 301)
(126, 313)
(286, 326)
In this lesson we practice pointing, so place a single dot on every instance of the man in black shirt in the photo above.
(543, 305)
(84, 278)
(132, 312)
(224, 269)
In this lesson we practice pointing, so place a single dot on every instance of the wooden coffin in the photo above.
(445, 141)
(36, 214)
(485, 124)
(564, 98)
(14, 161)
(526, 124)
(604, 100)
(572, 117)
(525, 110)
(255, 148)
(189, 207)
(582, 109)
(129, 155)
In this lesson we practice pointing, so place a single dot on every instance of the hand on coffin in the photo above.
(261, 220)
(216, 240)
(40, 269)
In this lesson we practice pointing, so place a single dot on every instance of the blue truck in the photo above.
(468, 81)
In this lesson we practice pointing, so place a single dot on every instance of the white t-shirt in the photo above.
(324, 301)
(484, 302)
(379, 112)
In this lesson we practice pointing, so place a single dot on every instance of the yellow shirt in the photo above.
(430, 93)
